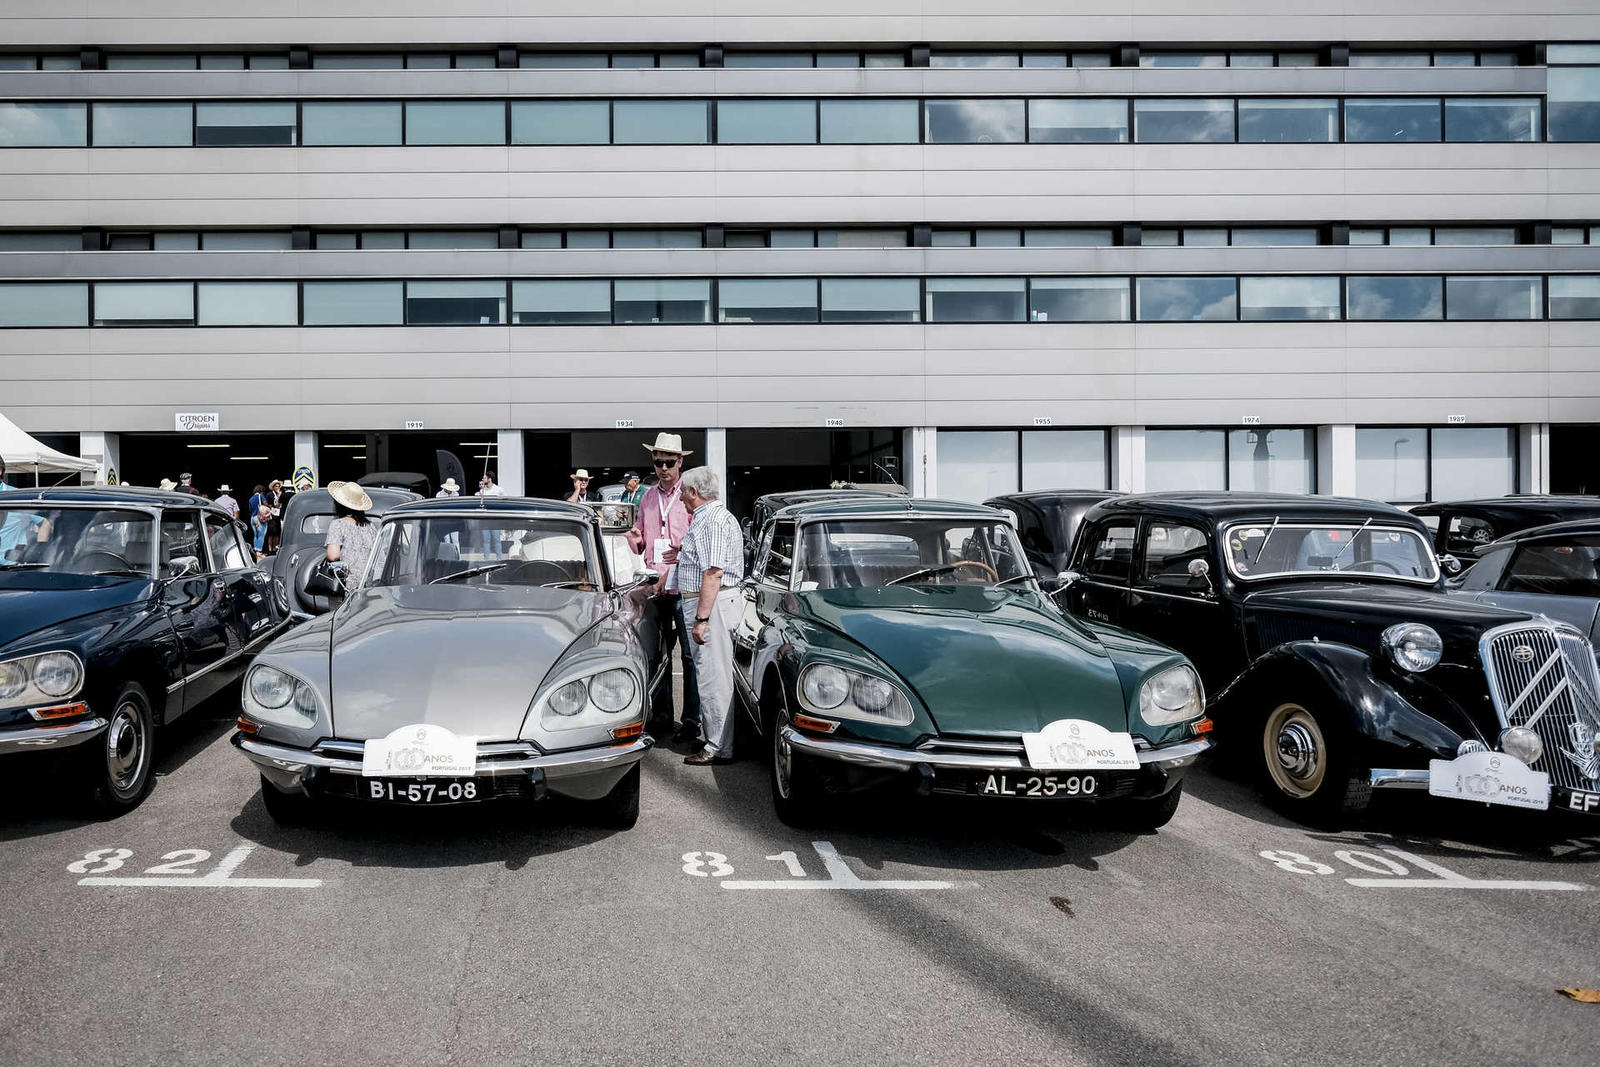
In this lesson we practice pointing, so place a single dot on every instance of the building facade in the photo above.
(1348, 248)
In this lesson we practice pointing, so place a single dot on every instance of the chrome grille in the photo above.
(1544, 678)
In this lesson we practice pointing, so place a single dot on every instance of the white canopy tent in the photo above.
(24, 455)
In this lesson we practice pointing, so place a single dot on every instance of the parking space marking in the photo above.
(1399, 876)
(840, 876)
(178, 871)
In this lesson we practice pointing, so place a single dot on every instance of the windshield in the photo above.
(95, 541)
(1563, 567)
(858, 553)
(1269, 550)
(489, 549)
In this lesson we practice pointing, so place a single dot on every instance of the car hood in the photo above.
(468, 658)
(1367, 599)
(983, 660)
(33, 602)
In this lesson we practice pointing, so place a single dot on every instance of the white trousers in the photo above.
(713, 666)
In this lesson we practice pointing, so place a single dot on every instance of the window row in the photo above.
(582, 301)
(1052, 120)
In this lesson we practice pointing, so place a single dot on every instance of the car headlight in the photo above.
(278, 697)
(1521, 743)
(840, 693)
(1172, 696)
(598, 699)
(40, 679)
(612, 691)
(1411, 646)
(570, 698)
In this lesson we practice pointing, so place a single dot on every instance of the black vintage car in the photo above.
(1462, 527)
(1551, 570)
(120, 610)
(770, 504)
(1047, 521)
(305, 532)
(1335, 662)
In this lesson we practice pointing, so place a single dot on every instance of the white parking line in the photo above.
(1448, 879)
(219, 877)
(840, 876)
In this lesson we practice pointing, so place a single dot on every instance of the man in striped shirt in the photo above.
(710, 565)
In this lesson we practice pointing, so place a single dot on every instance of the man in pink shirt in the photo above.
(658, 533)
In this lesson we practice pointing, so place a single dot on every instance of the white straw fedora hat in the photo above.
(669, 442)
(168, 484)
(350, 495)
(450, 484)
(580, 473)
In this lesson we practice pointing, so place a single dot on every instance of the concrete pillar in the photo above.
(717, 457)
(1336, 460)
(919, 447)
(511, 470)
(1533, 457)
(1127, 459)
(106, 450)
(305, 455)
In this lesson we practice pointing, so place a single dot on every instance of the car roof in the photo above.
(778, 501)
(1552, 529)
(322, 500)
(111, 495)
(1048, 497)
(502, 505)
(874, 504)
(1226, 506)
(1519, 506)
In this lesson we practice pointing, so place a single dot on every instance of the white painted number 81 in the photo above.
(1295, 862)
(99, 861)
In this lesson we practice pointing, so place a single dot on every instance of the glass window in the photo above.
(335, 241)
(1183, 59)
(1288, 299)
(251, 123)
(1569, 235)
(1257, 236)
(1046, 59)
(1182, 120)
(977, 464)
(358, 60)
(428, 62)
(744, 239)
(1575, 296)
(249, 304)
(542, 239)
(1298, 59)
(560, 122)
(1110, 556)
(1475, 235)
(474, 303)
(1271, 461)
(1574, 94)
(884, 59)
(766, 121)
(1455, 59)
(952, 238)
(661, 121)
(19, 62)
(1571, 53)
(998, 238)
(1053, 238)
(44, 125)
(1567, 565)
(869, 122)
(1392, 464)
(563, 60)
(1386, 298)
(766, 59)
(793, 238)
(164, 61)
(665, 301)
(143, 304)
(354, 303)
(1367, 235)
(767, 300)
(1474, 461)
(983, 121)
(1188, 300)
(1391, 59)
(632, 60)
(448, 122)
(560, 302)
(1287, 121)
(1063, 459)
(1185, 459)
(269, 62)
(1169, 548)
(440, 239)
(1091, 59)
(1202, 236)
(245, 241)
(1410, 235)
(143, 125)
(1078, 300)
(838, 59)
(1391, 119)
(871, 300)
(176, 241)
(1078, 121)
(657, 239)
(976, 300)
(128, 242)
(54, 242)
(1160, 238)
(1486, 296)
(44, 304)
(1250, 59)
(383, 239)
(1497, 59)
(973, 59)
(1492, 119)
(672, 60)
(350, 122)
(588, 238)
(861, 238)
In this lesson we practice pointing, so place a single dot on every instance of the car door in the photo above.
(195, 598)
(1105, 563)
(1168, 603)
(247, 594)
(754, 639)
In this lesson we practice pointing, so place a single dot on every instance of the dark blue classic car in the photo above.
(120, 610)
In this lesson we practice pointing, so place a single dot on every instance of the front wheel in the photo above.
(1308, 763)
(1143, 815)
(797, 796)
(619, 809)
(120, 759)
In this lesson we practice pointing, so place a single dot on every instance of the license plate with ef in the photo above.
(1043, 786)
(421, 790)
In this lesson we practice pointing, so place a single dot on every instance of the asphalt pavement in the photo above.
(935, 932)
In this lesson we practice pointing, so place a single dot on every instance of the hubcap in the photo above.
(1295, 751)
(782, 759)
(125, 748)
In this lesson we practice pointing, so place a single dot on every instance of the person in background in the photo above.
(18, 528)
(710, 566)
(168, 485)
(351, 533)
(260, 524)
(581, 493)
(658, 530)
(185, 485)
(448, 489)
(275, 501)
(491, 538)
(225, 498)
(632, 489)
(257, 495)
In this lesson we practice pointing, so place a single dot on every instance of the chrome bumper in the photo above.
(1390, 778)
(887, 757)
(37, 738)
(344, 757)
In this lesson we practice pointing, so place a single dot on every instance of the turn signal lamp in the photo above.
(246, 726)
(1203, 726)
(625, 733)
(59, 711)
(814, 724)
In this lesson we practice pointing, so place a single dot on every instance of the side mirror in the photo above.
(1066, 578)
(1450, 564)
(184, 566)
(1200, 570)
(646, 577)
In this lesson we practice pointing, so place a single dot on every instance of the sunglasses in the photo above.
(667, 462)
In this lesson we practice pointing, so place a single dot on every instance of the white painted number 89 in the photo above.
(99, 861)
(1295, 862)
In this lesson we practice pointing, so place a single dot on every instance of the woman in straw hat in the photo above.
(351, 533)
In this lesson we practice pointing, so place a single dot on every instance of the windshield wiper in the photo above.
(1260, 552)
(926, 572)
(1013, 578)
(24, 566)
(1347, 544)
(565, 585)
(469, 573)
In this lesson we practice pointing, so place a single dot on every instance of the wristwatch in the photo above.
(701, 618)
